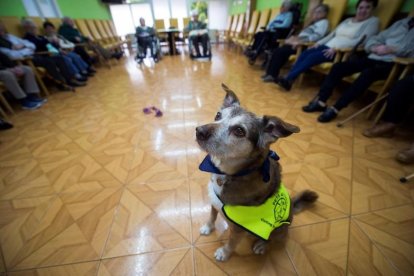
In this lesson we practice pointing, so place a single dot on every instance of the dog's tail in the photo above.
(303, 200)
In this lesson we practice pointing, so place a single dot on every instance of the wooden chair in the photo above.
(385, 12)
(239, 28)
(4, 101)
(126, 41)
(98, 37)
(233, 27)
(245, 41)
(402, 67)
(13, 26)
(173, 23)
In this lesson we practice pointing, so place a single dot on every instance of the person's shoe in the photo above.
(313, 106)
(5, 125)
(268, 79)
(284, 83)
(29, 105)
(385, 129)
(91, 70)
(264, 76)
(36, 99)
(82, 79)
(76, 83)
(328, 115)
(406, 156)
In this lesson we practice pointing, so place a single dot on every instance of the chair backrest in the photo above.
(386, 10)
(234, 23)
(159, 24)
(174, 23)
(83, 28)
(186, 21)
(112, 28)
(273, 13)
(240, 23)
(38, 21)
(92, 29)
(108, 29)
(337, 10)
(55, 21)
(228, 25)
(101, 28)
(253, 22)
(13, 25)
(264, 18)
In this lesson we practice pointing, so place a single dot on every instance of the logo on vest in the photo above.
(280, 205)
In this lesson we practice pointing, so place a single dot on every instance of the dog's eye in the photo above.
(239, 132)
(218, 116)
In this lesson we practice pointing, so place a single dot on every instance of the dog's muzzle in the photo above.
(203, 132)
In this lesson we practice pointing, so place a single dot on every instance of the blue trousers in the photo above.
(307, 60)
(78, 61)
(74, 63)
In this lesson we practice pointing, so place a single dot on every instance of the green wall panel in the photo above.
(12, 8)
(84, 9)
(238, 6)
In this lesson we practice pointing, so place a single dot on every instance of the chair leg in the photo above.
(39, 78)
(3, 114)
(6, 104)
(406, 178)
(341, 123)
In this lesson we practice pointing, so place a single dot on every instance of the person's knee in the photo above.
(6, 75)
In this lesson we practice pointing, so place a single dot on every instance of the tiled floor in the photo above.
(90, 185)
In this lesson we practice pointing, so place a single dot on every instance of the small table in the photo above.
(171, 39)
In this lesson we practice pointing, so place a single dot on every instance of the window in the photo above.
(179, 11)
(220, 11)
(162, 11)
(144, 11)
(122, 17)
(42, 8)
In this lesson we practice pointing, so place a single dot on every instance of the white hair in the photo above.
(194, 13)
(27, 22)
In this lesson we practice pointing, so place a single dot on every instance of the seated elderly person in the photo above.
(145, 38)
(68, 48)
(16, 48)
(68, 31)
(348, 34)
(396, 41)
(316, 30)
(277, 28)
(10, 73)
(73, 75)
(399, 101)
(198, 33)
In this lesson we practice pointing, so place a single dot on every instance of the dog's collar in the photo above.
(208, 166)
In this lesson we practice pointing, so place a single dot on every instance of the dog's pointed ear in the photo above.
(274, 128)
(230, 98)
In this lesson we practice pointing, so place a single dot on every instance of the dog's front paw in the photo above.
(222, 254)
(259, 247)
(206, 229)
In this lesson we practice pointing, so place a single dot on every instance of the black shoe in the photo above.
(5, 125)
(328, 115)
(82, 79)
(91, 70)
(76, 83)
(313, 106)
(284, 83)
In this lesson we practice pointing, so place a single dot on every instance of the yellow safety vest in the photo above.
(263, 219)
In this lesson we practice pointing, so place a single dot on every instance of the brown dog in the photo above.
(245, 184)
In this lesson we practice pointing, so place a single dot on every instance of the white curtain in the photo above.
(122, 17)
(217, 14)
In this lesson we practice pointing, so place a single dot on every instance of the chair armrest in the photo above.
(404, 61)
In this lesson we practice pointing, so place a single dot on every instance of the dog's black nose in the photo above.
(202, 133)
